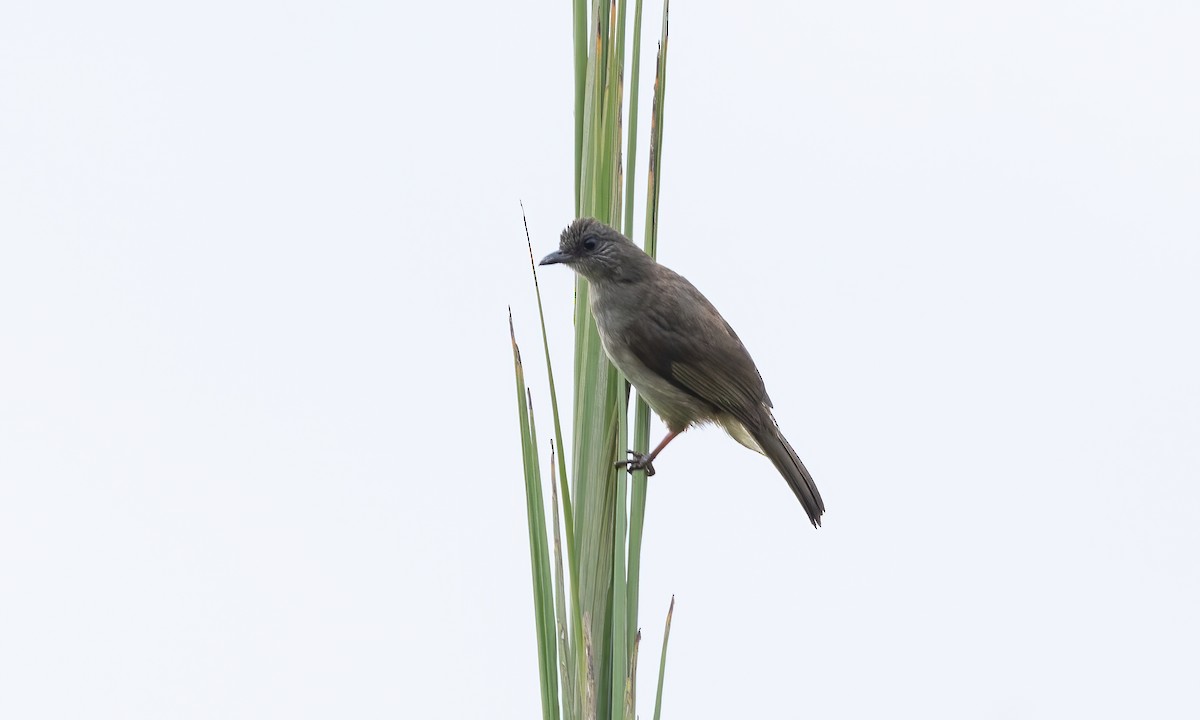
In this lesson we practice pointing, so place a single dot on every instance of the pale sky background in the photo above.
(258, 440)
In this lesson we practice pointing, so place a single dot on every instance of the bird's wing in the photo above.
(686, 341)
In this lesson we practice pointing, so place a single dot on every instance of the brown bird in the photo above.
(676, 349)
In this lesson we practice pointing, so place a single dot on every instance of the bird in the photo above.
(673, 346)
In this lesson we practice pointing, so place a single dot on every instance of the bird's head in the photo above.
(597, 252)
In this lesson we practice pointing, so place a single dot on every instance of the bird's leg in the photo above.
(646, 462)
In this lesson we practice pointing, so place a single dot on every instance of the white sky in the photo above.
(258, 441)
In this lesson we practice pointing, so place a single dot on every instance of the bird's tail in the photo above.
(776, 447)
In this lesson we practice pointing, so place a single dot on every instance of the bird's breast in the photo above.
(677, 408)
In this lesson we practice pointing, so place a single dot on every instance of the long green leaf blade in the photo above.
(543, 600)
(620, 639)
(641, 432)
(662, 661)
(572, 707)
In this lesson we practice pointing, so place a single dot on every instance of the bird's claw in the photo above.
(639, 462)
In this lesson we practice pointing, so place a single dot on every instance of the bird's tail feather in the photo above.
(776, 447)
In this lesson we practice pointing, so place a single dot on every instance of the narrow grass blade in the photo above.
(662, 661)
(572, 655)
(631, 153)
(641, 425)
(579, 15)
(631, 680)
(572, 706)
(543, 600)
(568, 512)
(656, 136)
(620, 638)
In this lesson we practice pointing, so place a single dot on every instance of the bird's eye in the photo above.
(589, 244)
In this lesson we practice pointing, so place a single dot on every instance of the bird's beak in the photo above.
(555, 258)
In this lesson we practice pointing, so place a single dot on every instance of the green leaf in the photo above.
(586, 607)
(543, 599)
(662, 661)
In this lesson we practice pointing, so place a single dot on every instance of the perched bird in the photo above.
(677, 350)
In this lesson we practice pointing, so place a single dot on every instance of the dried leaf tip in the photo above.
(512, 333)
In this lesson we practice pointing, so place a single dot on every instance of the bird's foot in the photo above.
(639, 462)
